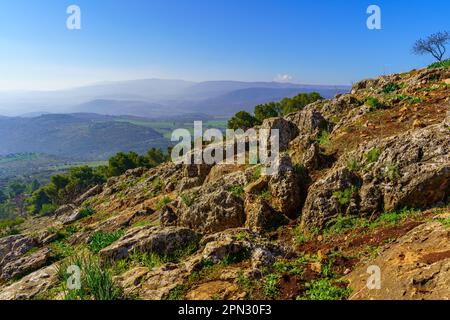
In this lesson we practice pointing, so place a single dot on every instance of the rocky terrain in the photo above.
(364, 180)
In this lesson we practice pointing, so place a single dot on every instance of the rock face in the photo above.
(33, 284)
(287, 130)
(213, 207)
(25, 264)
(416, 267)
(408, 170)
(164, 241)
(88, 194)
(11, 249)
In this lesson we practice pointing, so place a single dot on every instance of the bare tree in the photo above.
(433, 44)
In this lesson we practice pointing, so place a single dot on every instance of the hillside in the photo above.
(76, 136)
(364, 180)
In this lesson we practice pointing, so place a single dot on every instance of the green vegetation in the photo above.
(64, 188)
(372, 156)
(188, 199)
(270, 285)
(86, 212)
(390, 87)
(392, 172)
(409, 99)
(352, 165)
(324, 289)
(8, 226)
(96, 281)
(244, 120)
(442, 64)
(100, 240)
(344, 196)
(164, 201)
(374, 103)
(324, 138)
(237, 191)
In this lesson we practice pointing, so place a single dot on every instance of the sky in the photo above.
(301, 41)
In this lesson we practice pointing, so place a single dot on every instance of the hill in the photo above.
(363, 182)
(76, 136)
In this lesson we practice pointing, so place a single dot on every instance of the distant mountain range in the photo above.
(155, 98)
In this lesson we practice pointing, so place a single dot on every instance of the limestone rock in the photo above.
(31, 285)
(150, 239)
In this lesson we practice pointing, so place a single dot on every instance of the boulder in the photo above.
(408, 170)
(31, 285)
(25, 264)
(213, 207)
(163, 241)
(13, 247)
(260, 215)
(287, 129)
(88, 194)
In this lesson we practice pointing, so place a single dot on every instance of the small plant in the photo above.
(374, 103)
(392, 172)
(177, 293)
(86, 212)
(8, 226)
(164, 201)
(47, 209)
(235, 257)
(324, 138)
(390, 87)
(344, 196)
(270, 285)
(188, 199)
(352, 165)
(100, 240)
(96, 281)
(256, 174)
(61, 250)
(237, 191)
(324, 289)
(373, 155)
(442, 64)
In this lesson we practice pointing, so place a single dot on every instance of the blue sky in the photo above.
(319, 42)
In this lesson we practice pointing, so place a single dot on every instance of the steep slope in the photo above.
(364, 180)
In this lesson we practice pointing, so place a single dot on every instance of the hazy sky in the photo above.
(322, 41)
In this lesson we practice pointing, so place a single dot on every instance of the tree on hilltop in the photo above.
(434, 44)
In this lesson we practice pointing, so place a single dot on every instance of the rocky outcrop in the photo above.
(165, 241)
(32, 285)
(89, 194)
(25, 264)
(11, 249)
(416, 267)
(408, 170)
(287, 130)
(213, 207)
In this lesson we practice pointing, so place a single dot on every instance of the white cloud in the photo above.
(283, 78)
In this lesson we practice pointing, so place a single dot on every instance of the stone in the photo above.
(31, 285)
(163, 241)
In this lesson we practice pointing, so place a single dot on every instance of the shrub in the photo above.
(96, 281)
(373, 155)
(352, 165)
(47, 209)
(344, 196)
(86, 212)
(324, 138)
(8, 226)
(161, 203)
(188, 199)
(100, 240)
(324, 289)
(390, 87)
(442, 64)
(237, 191)
(270, 285)
(374, 103)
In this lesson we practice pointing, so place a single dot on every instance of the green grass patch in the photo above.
(373, 155)
(442, 64)
(325, 289)
(100, 240)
